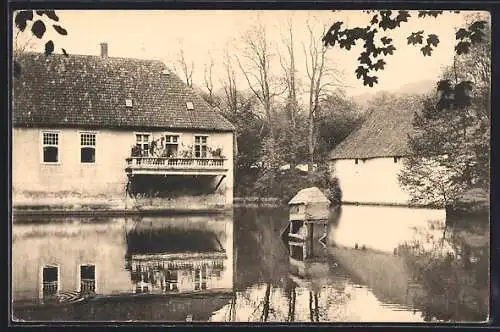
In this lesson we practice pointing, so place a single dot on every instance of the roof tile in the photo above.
(82, 90)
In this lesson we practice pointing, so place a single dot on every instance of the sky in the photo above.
(211, 33)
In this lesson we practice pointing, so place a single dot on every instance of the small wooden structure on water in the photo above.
(309, 212)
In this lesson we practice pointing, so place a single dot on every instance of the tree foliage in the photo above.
(34, 18)
(33, 21)
(377, 45)
(452, 133)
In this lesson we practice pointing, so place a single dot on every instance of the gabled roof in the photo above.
(309, 195)
(384, 133)
(82, 90)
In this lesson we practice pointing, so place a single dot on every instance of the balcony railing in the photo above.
(49, 288)
(87, 286)
(159, 164)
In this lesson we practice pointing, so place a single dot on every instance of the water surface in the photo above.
(223, 268)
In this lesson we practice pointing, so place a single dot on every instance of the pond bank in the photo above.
(110, 212)
(85, 204)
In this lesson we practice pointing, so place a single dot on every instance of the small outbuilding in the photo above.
(309, 204)
(308, 208)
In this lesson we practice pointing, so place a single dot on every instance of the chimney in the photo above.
(104, 50)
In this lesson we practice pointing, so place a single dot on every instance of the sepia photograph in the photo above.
(258, 166)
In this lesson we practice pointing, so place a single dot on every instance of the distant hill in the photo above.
(418, 87)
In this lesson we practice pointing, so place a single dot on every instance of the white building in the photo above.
(368, 161)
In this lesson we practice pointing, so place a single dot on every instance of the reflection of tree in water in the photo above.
(263, 265)
(454, 280)
(261, 256)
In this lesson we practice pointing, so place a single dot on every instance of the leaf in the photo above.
(374, 20)
(426, 50)
(60, 29)
(386, 40)
(432, 39)
(370, 80)
(416, 37)
(22, 18)
(379, 65)
(346, 43)
(38, 29)
(477, 26)
(361, 72)
(461, 34)
(49, 13)
(49, 47)
(64, 52)
(434, 13)
(336, 25)
(364, 58)
(403, 16)
(389, 50)
(462, 48)
(477, 37)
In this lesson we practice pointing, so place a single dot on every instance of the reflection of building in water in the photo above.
(177, 258)
(177, 273)
(74, 258)
(53, 259)
(309, 216)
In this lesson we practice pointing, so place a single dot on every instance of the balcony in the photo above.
(175, 166)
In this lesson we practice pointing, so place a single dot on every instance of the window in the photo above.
(50, 281)
(142, 142)
(172, 280)
(50, 147)
(356, 161)
(200, 278)
(171, 145)
(87, 148)
(396, 159)
(87, 279)
(200, 146)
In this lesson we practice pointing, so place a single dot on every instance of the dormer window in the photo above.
(128, 102)
(190, 105)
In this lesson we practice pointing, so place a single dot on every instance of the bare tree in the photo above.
(322, 76)
(207, 77)
(22, 45)
(290, 77)
(257, 72)
(182, 67)
(228, 83)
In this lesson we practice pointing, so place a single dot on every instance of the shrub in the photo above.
(285, 184)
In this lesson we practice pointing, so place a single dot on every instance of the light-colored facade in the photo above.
(71, 179)
(118, 132)
(367, 163)
(373, 180)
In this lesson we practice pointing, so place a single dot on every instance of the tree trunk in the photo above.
(310, 143)
(265, 310)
